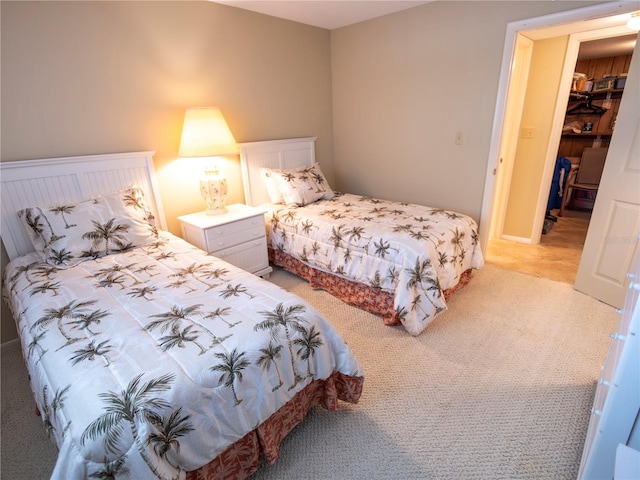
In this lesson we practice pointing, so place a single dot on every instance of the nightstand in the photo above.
(237, 236)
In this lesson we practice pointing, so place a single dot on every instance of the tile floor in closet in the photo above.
(556, 257)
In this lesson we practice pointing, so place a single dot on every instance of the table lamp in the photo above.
(205, 133)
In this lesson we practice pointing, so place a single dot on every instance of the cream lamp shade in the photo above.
(205, 133)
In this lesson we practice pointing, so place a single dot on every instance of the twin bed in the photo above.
(149, 358)
(398, 260)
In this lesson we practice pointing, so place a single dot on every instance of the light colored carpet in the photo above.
(498, 387)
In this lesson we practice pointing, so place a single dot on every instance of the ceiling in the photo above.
(329, 14)
(608, 47)
(332, 14)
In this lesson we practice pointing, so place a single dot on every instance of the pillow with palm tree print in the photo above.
(65, 235)
(303, 185)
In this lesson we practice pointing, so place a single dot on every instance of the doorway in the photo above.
(557, 254)
(554, 255)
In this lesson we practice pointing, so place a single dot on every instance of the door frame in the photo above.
(571, 22)
(503, 170)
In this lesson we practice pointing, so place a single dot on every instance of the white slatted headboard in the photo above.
(289, 153)
(55, 181)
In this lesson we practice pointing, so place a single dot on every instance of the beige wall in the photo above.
(99, 77)
(385, 97)
(543, 85)
(405, 83)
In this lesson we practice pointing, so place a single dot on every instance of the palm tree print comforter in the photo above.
(151, 362)
(413, 251)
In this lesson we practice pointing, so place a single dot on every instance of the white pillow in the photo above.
(271, 183)
(65, 235)
(302, 186)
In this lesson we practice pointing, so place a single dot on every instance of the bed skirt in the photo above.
(370, 299)
(243, 458)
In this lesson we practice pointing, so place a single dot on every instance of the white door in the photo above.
(611, 246)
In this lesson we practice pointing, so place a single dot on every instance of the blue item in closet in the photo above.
(555, 195)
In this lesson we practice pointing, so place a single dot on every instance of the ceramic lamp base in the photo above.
(213, 188)
(215, 211)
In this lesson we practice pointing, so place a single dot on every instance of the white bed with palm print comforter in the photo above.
(414, 252)
(399, 260)
(147, 357)
(155, 360)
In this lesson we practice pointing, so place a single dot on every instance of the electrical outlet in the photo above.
(458, 139)
(527, 132)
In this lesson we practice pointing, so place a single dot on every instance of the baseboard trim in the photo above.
(512, 238)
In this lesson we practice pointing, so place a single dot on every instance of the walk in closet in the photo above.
(591, 117)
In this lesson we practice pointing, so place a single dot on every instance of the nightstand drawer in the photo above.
(219, 238)
(232, 228)
(250, 256)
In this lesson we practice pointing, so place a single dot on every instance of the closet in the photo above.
(607, 76)
(591, 114)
